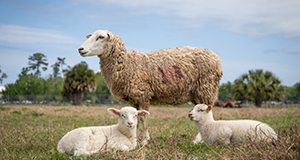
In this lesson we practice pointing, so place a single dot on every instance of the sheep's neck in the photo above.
(110, 63)
(205, 123)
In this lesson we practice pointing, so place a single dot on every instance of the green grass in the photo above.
(32, 132)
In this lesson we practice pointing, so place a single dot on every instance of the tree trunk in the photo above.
(258, 100)
(78, 97)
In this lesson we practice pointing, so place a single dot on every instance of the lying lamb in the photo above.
(217, 132)
(89, 140)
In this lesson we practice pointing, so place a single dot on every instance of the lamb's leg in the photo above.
(197, 139)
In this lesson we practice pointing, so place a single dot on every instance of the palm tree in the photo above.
(78, 80)
(61, 62)
(36, 61)
(257, 86)
(55, 70)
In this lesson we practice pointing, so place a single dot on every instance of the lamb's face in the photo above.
(128, 116)
(200, 112)
(95, 43)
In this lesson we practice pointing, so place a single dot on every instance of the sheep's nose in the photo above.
(80, 49)
(130, 123)
(190, 115)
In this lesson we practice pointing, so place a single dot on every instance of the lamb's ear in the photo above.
(143, 112)
(209, 107)
(114, 111)
(110, 36)
(88, 36)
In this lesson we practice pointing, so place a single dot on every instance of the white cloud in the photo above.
(27, 35)
(295, 49)
(256, 18)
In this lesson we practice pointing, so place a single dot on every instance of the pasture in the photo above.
(32, 132)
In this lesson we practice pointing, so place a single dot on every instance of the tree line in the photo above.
(73, 83)
(66, 82)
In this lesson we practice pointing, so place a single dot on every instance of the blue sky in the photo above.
(246, 34)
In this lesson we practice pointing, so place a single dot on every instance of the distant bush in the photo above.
(36, 114)
(4, 108)
(17, 112)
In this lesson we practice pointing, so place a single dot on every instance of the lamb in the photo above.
(231, 131)
(89, 140)
(171, 76)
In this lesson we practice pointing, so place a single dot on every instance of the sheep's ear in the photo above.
(143, 112)
(110, 36)
(209, 107)
(114, 111)
(88, 36)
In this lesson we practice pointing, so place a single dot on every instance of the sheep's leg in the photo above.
(145, 136)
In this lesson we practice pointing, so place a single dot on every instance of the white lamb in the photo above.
(230, 131)
(89, 140)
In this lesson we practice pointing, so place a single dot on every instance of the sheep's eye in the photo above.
(123, 115)
(200, 110)
(100, 37)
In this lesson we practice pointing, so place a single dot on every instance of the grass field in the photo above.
(32, 132)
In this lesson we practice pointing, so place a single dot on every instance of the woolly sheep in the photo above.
(230, 131)
(171, 76)
(89, 140)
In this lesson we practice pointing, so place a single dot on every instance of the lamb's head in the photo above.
(95, 43)
(200, 112)
(128, 116)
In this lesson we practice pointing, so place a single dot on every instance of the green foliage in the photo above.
(28, 84)
(101, 85)
(2, 76)
(36, 61)
(78, 80)
(225, 92)
(55, 67)
(297, 86)
(257, 86)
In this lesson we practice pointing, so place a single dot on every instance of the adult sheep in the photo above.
(171, 76)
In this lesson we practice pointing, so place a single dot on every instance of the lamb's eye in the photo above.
(200, 110)
(100, 37)
(123, 115)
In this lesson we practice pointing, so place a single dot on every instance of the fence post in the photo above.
(99, 95)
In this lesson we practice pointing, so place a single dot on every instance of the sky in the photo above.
(246, 34)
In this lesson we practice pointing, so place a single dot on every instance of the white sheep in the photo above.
(230, 131)
(89, 140)
(172, 76)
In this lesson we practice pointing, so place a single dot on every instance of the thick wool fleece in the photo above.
(171, 76)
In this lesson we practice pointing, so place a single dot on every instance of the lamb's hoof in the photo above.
(197, 141)
(144, 142)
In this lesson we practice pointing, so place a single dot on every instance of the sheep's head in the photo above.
(94, 45)
(128, 116)
(200, 112)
